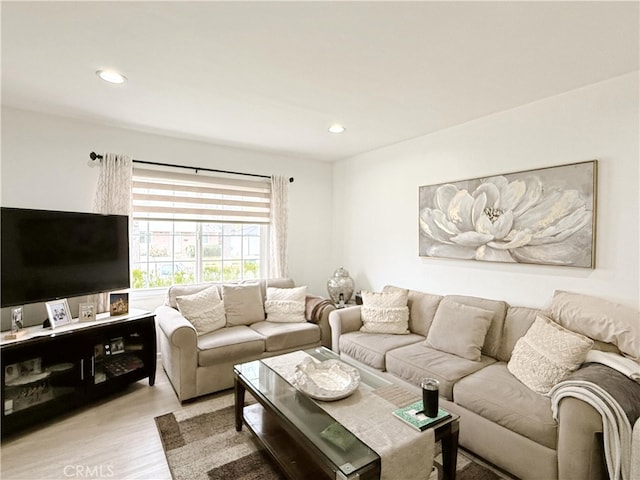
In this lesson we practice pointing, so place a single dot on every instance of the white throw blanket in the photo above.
(622, 364)
(635, 451)
(404, 453)
(616, 427)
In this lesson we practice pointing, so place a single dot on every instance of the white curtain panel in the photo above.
(113, 197)
(278, 267)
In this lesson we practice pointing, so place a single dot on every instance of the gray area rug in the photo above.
(201, 443)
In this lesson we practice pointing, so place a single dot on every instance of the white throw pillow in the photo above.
(385, 312)
(204, 310)
(285, 305)
(546, 354)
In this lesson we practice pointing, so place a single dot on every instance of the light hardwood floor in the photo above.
(114, 438)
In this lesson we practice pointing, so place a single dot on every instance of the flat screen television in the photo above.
(49, 254)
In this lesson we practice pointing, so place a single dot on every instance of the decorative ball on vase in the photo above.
(340, 286)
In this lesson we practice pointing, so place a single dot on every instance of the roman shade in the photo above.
(163, 195)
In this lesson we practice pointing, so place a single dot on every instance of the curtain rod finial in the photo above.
(94, 157)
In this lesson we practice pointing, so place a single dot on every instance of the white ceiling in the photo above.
(274, 75)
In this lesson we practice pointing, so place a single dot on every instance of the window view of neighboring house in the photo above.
(175, 238)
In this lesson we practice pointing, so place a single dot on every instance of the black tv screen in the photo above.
(48, 254)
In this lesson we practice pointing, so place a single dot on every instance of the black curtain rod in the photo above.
(95, 156)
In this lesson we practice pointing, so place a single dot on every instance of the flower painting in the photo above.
(544, 216)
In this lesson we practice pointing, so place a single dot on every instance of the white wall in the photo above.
(372, 227)
(44, 165)
(376, 197)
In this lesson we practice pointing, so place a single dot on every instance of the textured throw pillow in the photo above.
(598, 319)
(204, 310)
(243, 304)
(546, 354)
(459, 329)
(385, 312)
(285, 305)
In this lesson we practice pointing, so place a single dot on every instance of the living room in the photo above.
(358, 207)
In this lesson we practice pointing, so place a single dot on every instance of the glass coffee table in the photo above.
(293, 428)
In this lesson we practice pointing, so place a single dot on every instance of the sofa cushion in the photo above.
(498, 396)
(283, 336)
(285, 305)
(385, 312)
(516, 324)
(229, 343)
(416, 361)
(422, 309)
(598, 319)
(499, 309)
(243, 304)
(370, 348)
(204, 310)
(546, 354)
(459, 329)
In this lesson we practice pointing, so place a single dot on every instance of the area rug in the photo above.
(201, 443)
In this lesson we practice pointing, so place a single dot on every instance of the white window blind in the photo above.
(161, 195)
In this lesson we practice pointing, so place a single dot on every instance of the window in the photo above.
(197, 228)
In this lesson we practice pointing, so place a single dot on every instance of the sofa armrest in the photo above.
(178, 350)
(343, 320)
(176, 328)
(317, 310)
(580, 452)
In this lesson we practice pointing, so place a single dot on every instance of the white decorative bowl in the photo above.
(329, 380)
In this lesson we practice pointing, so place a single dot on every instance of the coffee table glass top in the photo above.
(339, 445)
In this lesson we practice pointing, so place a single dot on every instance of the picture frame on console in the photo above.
(86, 312)
(16, 319)
(16, 324)
(118, 304)
(59, 313)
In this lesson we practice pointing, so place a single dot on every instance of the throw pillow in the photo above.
(459, 329)
(285, 305)
(243, 304)
(203, 309)
(598, 319)
(385, 312)
(546, 354)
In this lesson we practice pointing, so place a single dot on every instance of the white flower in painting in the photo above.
(506, 221)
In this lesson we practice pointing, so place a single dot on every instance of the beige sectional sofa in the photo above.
(197, 364)
(502, 420)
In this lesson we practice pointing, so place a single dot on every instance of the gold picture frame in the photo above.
(544, 216)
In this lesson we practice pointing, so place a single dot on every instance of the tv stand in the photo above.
(46, 372)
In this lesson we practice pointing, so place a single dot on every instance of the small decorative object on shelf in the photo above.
(358, 298)
(16, 324)
(340, 287)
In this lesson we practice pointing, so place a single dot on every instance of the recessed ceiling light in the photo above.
(336, 128)
(111, 76)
